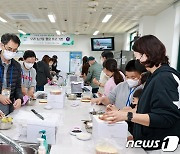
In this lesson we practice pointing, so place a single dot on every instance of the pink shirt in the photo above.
(110, 84)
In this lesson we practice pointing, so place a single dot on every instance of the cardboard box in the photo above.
(31, 124)
(56, 101)
(33, 133)
(48, 88)
(117, 132)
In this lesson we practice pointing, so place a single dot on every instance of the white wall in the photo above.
(146, 25)
(81, 43)
(176, 38)
(165, 26)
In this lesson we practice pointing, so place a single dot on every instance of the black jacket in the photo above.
(54, 67)
(16, 92)
(42, 73)
(157, 100)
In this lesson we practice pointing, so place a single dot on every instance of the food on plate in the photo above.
(43, 101)
(55, 92)
(102, 117)
(6, 119)
(106, 149)
(9, 119)
(85, 99)
(75, 131)
(83, 136)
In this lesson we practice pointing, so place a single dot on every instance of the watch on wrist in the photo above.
(129, 116)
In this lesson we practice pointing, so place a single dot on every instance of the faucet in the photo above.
(15, 145)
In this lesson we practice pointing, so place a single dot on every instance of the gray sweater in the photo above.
(28, 77)
(119, 95)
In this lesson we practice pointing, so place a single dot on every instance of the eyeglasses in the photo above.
(10, 49)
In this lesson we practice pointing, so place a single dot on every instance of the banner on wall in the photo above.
(75, 61)
(46, 39)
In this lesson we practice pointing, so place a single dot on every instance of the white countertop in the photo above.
(71, 116)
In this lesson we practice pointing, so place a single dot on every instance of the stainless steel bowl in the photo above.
(31, 102)
(72, 96)
(6, 125)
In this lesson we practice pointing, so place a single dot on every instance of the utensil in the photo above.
(37, 114)
(31, 101)
(71, 96)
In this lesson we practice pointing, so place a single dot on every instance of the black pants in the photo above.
(95, 90)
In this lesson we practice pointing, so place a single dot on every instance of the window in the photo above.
(132, 36)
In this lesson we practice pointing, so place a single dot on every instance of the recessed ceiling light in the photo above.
(96, 32)
(20, 31)
(93, 3)
(3, 20)
(58, 32)
(52, 18)
(107, 17)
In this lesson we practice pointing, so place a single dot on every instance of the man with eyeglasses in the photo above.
(10, 74)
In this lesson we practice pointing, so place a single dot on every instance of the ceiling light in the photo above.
(64, 32)
(22, 32)
(96, 32)
(91, 9)
(76, 33)
(107, 17)
(3, 20)
(52, 18)
(93, 3)
(58, 32)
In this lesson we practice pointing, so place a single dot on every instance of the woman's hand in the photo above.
(17, 104)
(5, 100)
(96, 100)
(95, 81)
(99, 94)
(111, 107)
(115, 116)
(1, 114)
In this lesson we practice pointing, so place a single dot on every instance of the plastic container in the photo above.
(42, 149)
(43, 132)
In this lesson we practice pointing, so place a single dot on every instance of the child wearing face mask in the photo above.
(122, 95)
(28, 75)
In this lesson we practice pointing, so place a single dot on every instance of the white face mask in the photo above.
(132, 83)
(28, 65)
(8, 54)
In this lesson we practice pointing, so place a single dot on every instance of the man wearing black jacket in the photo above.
(158, 111)
(10, 75)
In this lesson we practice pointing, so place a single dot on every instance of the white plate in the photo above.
(48, 107)
(75, 133)
(83, 136)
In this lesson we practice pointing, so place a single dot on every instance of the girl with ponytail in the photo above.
(111, 70)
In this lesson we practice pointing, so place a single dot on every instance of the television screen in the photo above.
(100, 44)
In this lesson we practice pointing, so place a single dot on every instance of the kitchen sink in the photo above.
(29, 148)
(7, 149)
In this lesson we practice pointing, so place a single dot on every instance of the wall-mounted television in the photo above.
(100, 44)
